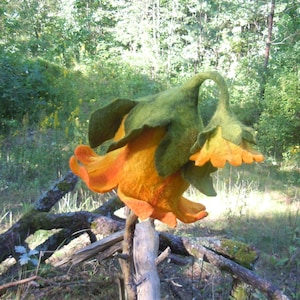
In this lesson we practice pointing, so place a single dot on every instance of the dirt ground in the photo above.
(93, 280)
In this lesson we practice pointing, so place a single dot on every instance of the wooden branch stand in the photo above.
(138, 260)
(145, 251)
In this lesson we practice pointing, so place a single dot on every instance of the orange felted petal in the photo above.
(166, 217)
(148, 194)
(145, 210)
(141, 208)
(100, 173)
(250, 154)
(218, 151)
(139, 179)
(188, 211)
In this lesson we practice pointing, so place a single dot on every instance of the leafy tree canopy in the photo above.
(50, 49)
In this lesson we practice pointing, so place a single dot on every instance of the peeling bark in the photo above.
(145, 251)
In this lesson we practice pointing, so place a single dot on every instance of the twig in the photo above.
(164, 255)
(15, 283)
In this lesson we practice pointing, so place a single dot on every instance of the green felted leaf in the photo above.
(159, 109)
(177, 112)
(131, 135)
(232, 129)
(193, 85)
(174, 149)
(144, 115)
(105, 121)
(200, 177)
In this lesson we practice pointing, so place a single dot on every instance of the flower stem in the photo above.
(192, 86)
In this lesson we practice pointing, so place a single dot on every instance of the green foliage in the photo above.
(44, 114)
(60, 60)
(32, 91)
(279, 123)
(245, 91)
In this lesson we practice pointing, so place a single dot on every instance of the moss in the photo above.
(64, 186)
(240, 252)
(240, 290)
(32, 220)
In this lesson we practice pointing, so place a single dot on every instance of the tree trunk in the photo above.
(269, 38)
(267, 50)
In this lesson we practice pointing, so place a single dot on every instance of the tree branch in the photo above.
(72, 223)
(126, 262)
(56, 192)
(232, 267)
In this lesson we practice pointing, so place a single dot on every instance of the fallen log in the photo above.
(56, 192)
(18, 233)
(265, 286)
(71, 224)
(217, 256)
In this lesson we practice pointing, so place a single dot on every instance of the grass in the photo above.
(259, 207)
(249, 209)
(257, 204)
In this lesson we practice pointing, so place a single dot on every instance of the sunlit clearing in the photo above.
(243, 202)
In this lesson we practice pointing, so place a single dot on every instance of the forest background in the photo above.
(61, 59)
